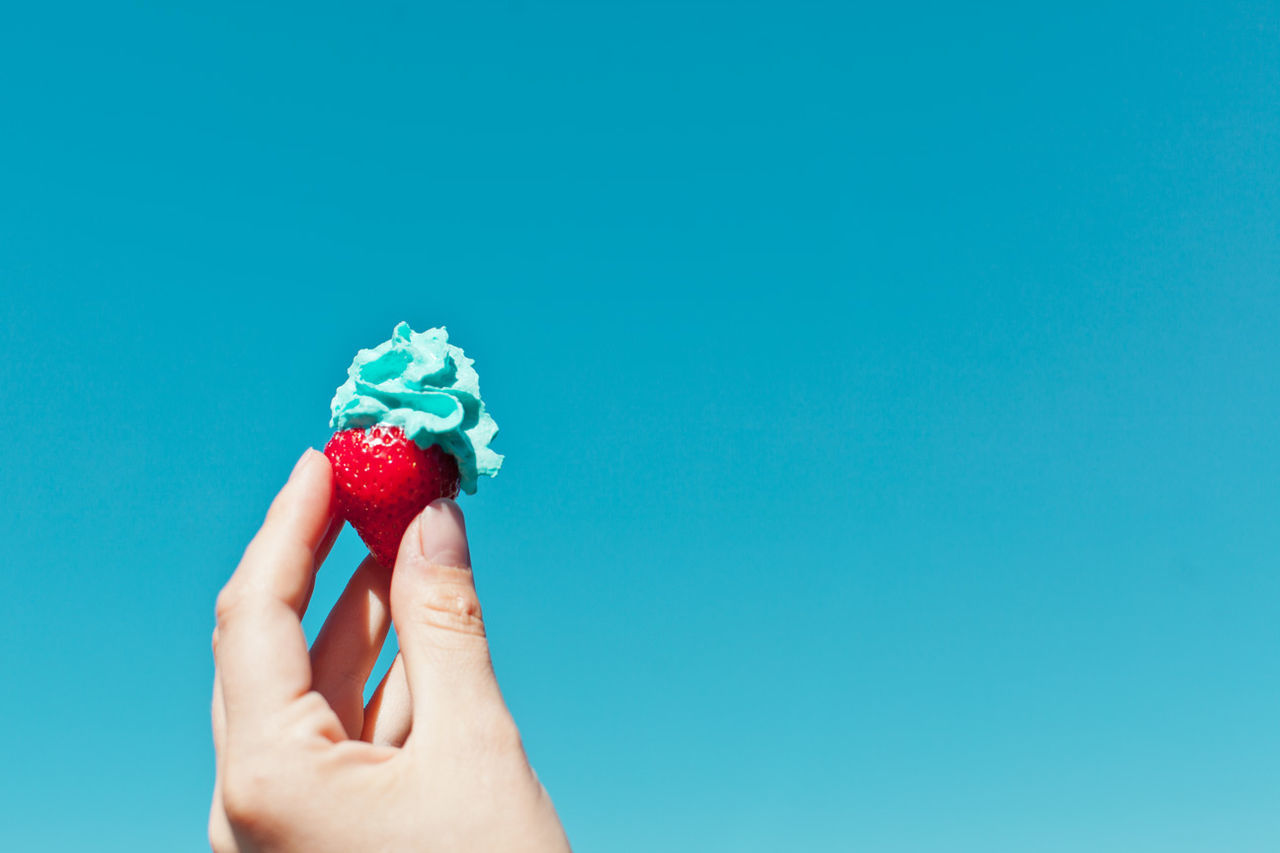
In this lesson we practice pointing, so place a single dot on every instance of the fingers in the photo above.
(438, 620)
(347, 647)
(261, 654)
(388, 718)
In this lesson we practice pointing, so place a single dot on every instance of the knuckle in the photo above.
(312, 710)
(248, 797)
(225, 605)
(312, 713)
(220, 840)
(311, 703)
(452, 607)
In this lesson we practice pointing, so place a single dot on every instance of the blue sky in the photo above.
(889, 399)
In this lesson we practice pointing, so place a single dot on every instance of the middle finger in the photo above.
(348, 645)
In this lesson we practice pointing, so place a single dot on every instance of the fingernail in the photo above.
(442, 536)
(302, 462)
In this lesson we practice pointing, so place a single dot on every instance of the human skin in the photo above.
(434, 763)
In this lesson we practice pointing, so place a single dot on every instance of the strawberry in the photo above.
(382, 480)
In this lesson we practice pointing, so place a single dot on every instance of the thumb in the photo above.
(437, 616)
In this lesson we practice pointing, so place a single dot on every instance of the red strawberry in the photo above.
(382, 480)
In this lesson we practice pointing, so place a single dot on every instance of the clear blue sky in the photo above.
(889, 398)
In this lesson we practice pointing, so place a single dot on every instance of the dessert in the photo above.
(410, 427)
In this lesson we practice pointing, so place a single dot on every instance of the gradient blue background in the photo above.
(889, 394)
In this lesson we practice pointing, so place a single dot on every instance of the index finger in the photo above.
(262, 655)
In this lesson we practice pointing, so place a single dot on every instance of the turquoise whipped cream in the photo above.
(421, 383)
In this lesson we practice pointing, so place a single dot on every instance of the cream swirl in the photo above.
(421, 383)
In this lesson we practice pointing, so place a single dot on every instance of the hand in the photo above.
(434, 763)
